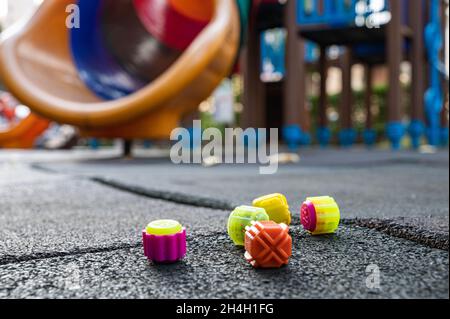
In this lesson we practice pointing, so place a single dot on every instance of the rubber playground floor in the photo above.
(71, 226)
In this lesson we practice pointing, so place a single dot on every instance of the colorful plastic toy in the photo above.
(242, 217)
(164, 241)
(276, 207)
(320, 215)
(268, 244)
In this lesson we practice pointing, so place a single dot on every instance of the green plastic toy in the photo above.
(242, 217)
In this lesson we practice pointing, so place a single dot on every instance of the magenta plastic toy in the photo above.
(164, 245)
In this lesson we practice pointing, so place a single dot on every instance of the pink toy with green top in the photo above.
(164, 241)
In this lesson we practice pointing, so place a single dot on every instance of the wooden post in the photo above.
(347, 93)
(347, 135)
(254, 113)
(394, 44)
(368, 96)
(394, 57)
(323, 71)
(295, 112)
(127, 148)
(417, 61)
(369, 135)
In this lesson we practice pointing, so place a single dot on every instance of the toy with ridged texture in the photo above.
(276, 207)
(242, 217)
(320, 215)
(268, 244)
(164, 241)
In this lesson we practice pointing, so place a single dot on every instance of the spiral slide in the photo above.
(133, 69)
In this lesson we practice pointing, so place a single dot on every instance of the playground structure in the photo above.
(177, 52)
(371, 33)
(74, 76)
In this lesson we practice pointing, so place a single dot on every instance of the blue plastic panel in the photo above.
(330, 12)
(273, 48)
(97, 68)
(337, 13)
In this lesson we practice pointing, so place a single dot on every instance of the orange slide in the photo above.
(37, 67)
(24, 133)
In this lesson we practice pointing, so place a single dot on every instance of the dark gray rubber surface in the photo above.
(321, 267)
(71, 223)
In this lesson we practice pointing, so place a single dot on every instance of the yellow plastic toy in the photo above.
(276, 207)
(320, 215)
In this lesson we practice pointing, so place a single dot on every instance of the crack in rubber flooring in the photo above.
(65, 234)
(321, 267)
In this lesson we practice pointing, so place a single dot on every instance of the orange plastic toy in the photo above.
(268, 244)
